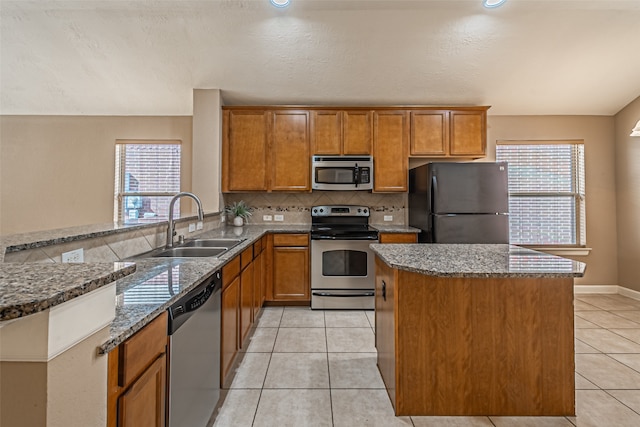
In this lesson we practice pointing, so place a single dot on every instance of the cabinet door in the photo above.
(468, 133)
(390, 151)
(385, 326)
(244, 151)
(357, 134)
(429, 133)
(229, 336)
(257, 285)
(143, 405)
(326, 132)
(290, 151)
(291, 273)
(246, 302)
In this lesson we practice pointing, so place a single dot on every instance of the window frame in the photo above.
(578, 184)
(119, 180)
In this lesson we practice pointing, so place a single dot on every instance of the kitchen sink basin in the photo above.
(197, 252)
(212, 243)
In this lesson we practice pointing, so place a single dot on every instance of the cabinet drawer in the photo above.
(246, 257)
(142, 349)
(230, 271)
(290, 240)
(398, 238)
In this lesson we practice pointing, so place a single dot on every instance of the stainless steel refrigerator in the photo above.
(460, 202)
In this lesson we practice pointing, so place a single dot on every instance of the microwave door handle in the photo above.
(356, 174)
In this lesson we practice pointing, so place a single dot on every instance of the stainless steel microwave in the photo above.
(342, 173)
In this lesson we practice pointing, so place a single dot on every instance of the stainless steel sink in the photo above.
(197, 252)
(212, 243)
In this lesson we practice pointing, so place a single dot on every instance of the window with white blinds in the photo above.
(147, 176)
(546, 192)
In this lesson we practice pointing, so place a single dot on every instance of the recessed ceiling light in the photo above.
(490, 3)
(280, 3)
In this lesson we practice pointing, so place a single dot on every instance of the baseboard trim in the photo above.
(595, 289)
(629, 293)
(606, 289)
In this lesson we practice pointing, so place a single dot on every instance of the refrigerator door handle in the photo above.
(434, 191)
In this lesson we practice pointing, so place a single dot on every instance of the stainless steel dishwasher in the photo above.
(194, 354)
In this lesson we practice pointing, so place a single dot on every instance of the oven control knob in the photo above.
(359, 210)
(315, 211)
(321, 210)
(365, 211)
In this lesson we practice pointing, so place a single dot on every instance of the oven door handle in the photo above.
(321, 237)
(329, 294)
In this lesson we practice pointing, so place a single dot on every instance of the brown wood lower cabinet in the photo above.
(398, 238)
(290, 268)
(450, 346)
(137, 378)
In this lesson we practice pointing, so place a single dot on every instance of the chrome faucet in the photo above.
(171, 228)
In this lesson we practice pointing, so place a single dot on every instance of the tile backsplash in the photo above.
(296, 207)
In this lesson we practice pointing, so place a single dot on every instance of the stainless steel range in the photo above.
(342, 265)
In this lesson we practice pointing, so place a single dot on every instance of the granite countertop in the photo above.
(38, 239)
(145, 287)
(389, 228)
(158, 282)
(476, 260)
(31, 288)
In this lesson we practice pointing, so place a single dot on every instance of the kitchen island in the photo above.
(475, 329)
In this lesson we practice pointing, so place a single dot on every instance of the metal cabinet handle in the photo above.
(384, 290)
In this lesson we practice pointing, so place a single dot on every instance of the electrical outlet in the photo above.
(199, 225)
(278, 217)
(192, 228)
(73, 256)
(267, 218)
(388, 217)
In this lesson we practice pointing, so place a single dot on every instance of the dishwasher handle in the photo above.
(180, 311)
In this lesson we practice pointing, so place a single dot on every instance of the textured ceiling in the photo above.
(145, 57)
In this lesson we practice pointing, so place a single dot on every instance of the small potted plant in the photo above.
(239, 211)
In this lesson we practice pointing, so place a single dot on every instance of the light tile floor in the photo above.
(318, 368)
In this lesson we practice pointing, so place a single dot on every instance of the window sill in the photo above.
(561, 251)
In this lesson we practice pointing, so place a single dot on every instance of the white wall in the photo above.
(628, 202)
(598, 135)
(58, 171)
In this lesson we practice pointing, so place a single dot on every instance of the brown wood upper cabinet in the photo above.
(245, 157)
(335, 132)
(390, 150)
(290, 160)
(449, 132)
(265, 150)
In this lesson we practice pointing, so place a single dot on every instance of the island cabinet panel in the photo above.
(476, 346)
(390, 150)
(385, 326)
(245, 154)
(468, 130)
(137, 377)
(290, 158)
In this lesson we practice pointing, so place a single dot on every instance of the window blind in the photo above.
(147, 176)
(546, 192)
